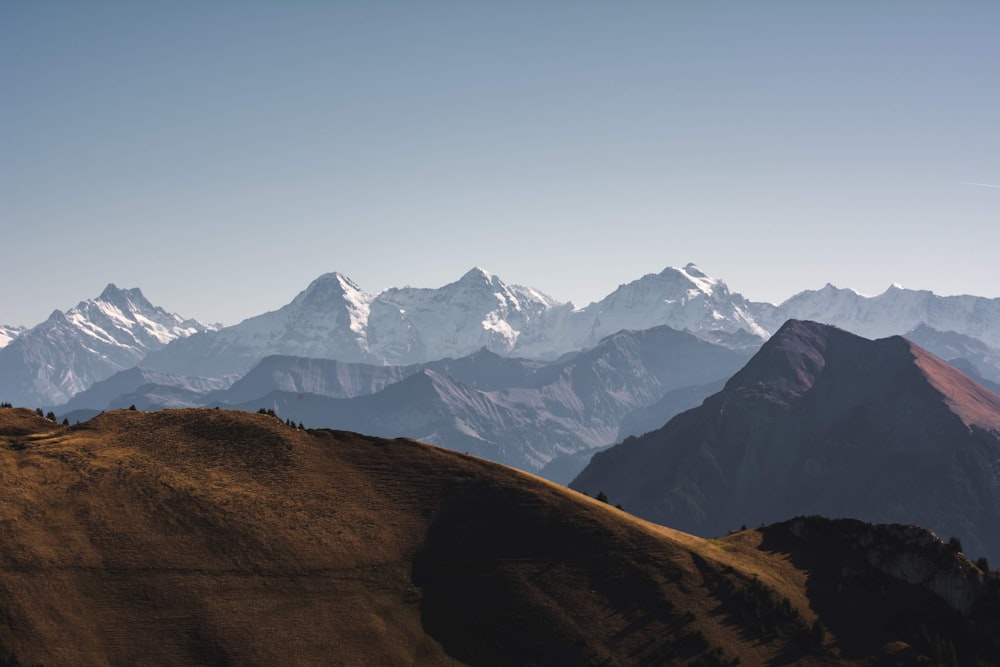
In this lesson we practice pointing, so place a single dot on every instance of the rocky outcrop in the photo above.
(909, 553)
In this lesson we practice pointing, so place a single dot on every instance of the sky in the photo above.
(222, 155)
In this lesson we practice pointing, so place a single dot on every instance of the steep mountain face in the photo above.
(213, 537)
(894, 312)
(51, 362)
(517, 412)
(821, 421)
(9, 333)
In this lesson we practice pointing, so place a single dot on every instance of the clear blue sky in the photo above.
(221, 155)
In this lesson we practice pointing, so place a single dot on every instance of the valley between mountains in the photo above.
(814, 482)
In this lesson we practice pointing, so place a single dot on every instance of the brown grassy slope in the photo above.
(213, 537)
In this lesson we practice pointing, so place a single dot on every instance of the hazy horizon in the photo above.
(222, 156)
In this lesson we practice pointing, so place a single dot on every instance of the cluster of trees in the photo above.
(288, 422)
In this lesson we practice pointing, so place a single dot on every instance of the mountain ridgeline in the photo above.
(821, 421)
(334, 318)
(219, 537)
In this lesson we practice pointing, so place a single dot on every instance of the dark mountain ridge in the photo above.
(821, 421)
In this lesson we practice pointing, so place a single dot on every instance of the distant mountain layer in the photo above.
(518, 412)
(67, 353)
(194, 537)
(120, 390)
(821, 421)
(894, 312)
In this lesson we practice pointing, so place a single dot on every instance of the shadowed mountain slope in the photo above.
(821, 421)
(216, 537)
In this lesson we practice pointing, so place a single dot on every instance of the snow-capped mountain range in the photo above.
(334, 318)
(71, 350)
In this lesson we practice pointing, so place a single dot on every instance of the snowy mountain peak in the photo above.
(89, 342)
(121, 303)
(113, 293)
(685, 299)
(702, 282)
(332, 289)
(692, 270)
(479, 275)
(110, 292)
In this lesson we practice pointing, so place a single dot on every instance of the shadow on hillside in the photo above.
(508, 579)
(757, 613)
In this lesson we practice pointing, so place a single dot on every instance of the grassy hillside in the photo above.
(213, 537)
